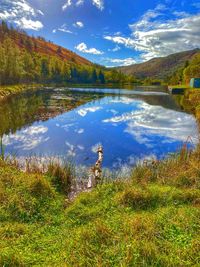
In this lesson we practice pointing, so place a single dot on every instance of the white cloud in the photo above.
(83, 111)
(67, 127)
(155, 35)
(29, 24)
(27, 139)
(127, 41)
(151, 121)
(71, 150)
(21, 13)
(122, 62)
(80, 147)
(117, 33)
(67, 4)
(115, 49)
(99, 4)
(82, 47)
(79, 2)
(123, 100)
(80, 131)
(63, 28)
(78, 24)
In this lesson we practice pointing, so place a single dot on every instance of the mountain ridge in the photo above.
(161, 67)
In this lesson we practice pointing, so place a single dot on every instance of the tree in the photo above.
(66, 72)
(59, 50)
(94, 76)
(4, 27)
(45, 69)
(101, 77)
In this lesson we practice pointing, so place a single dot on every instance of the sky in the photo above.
(110, 32)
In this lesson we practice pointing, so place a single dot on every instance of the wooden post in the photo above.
(96, 170)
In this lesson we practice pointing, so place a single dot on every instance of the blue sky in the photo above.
(110, 32)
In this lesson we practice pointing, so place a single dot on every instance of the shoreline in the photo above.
(7, 91)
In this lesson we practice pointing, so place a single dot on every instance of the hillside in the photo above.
(25, 60)
(40, 45)
(162, 67)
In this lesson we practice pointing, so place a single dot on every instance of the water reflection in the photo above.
(72, 123)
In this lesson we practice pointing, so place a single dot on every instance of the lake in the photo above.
(131, 125)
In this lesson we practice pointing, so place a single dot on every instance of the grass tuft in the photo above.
(62, 176)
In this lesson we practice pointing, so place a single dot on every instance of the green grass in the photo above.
(8, 90)
(152, 219)
(180, 86)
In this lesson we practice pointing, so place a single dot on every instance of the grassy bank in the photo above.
(192, 99)
(152, 219)
(9, 90)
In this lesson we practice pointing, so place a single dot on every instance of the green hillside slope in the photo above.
(160, 68)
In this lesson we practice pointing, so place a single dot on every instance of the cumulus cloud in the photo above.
(78, 24)
(82, 47)
(97, 3)
(155, 35)
(21, 13)
(29, 24)
(149, 121)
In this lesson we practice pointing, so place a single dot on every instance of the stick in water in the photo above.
(96, 170)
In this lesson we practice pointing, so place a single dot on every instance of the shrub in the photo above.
(40, 187)
(136, 198)
(62, 176)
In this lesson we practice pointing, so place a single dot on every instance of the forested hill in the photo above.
(161, 68)
(26, 59)
(39, 45)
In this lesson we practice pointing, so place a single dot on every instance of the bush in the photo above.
(62, 176)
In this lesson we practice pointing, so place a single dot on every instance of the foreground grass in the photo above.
(152, 219)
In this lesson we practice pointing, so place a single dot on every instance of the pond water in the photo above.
(132, 125)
